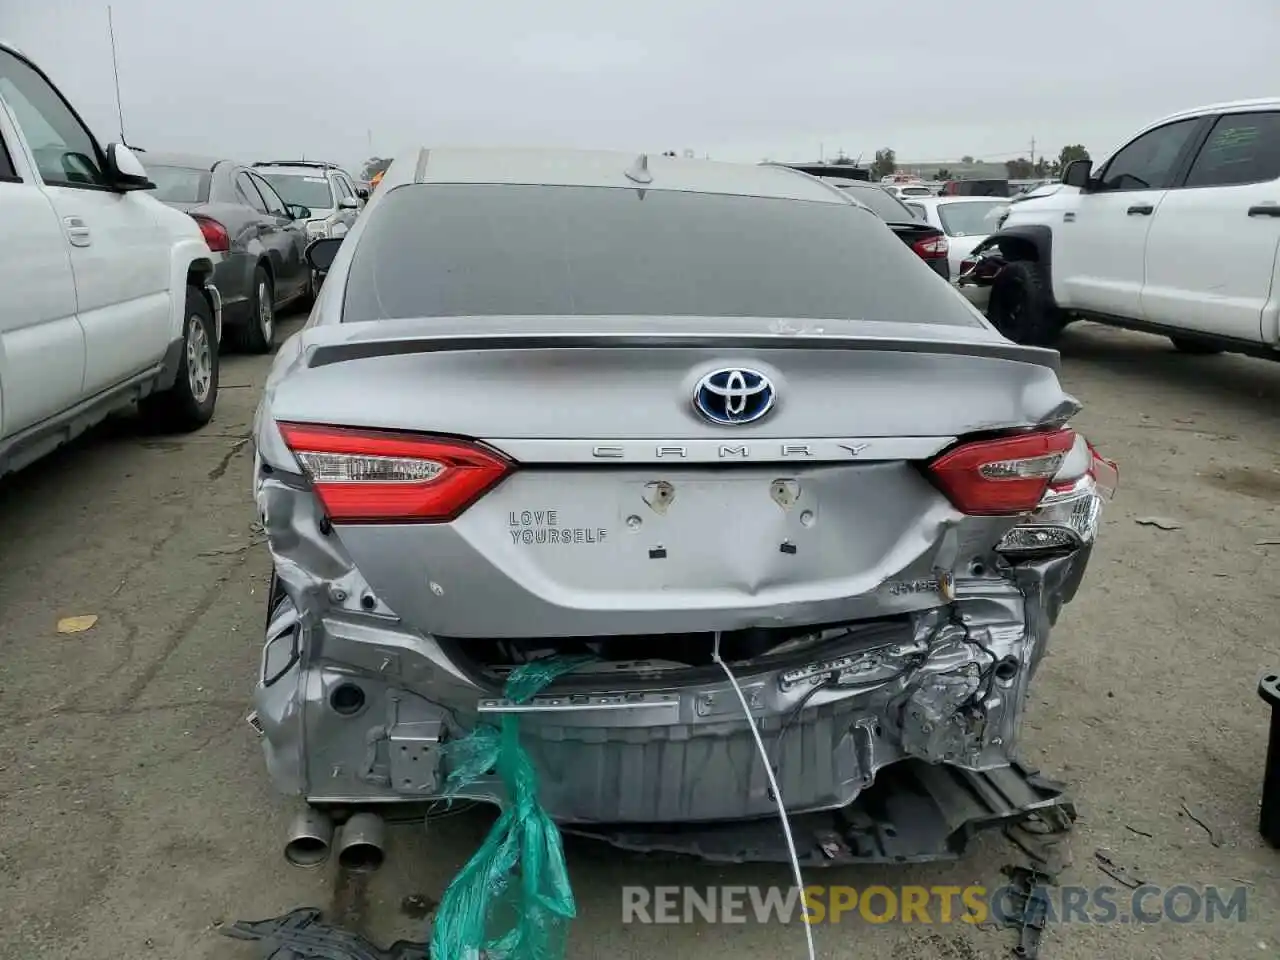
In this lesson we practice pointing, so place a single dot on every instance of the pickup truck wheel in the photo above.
(1022, 307)
(1196, 348)
(188, 404)
(258, 335)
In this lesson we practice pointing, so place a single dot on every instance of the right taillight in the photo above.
(1070, 511)
(377, 476)
(215, 234)
(1003, 476)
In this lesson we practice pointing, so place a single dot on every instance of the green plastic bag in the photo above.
(512, 900)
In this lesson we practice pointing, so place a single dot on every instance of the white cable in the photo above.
(773, 784)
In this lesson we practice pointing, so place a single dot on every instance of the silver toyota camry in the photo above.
(661, 413)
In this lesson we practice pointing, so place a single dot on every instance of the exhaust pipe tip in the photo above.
(310, 839)
(361, 848)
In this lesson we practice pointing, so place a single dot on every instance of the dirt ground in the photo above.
(135, 814)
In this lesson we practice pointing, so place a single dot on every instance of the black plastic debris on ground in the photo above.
(302, 935)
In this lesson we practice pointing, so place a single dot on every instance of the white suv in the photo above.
(325, 189)
(106, 292)
(1176, 233)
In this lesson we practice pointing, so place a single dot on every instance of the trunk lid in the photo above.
(628, 512)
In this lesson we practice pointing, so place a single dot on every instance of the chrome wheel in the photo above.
(266, 315)
(199, 359)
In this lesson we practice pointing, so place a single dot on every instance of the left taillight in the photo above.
(376, 476)
(931, 248)
(1004, 476)
(215, 234)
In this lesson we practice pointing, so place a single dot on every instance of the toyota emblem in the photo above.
(733, 395)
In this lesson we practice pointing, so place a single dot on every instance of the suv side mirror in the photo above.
(321, 253)
(125, 170)
(1077, 173)
(348, 203)
(298, 211)
(362, 193)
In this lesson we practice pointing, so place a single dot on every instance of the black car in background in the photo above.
(928, 242)
(257, 239)
(976, 188)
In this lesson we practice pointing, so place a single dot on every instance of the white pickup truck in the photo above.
(106, 299)
(1176, 233)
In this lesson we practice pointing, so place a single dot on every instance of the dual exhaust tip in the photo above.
(360, 841)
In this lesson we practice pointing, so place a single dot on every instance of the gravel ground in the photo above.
(135, 814)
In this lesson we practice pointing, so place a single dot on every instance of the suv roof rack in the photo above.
(320, 164)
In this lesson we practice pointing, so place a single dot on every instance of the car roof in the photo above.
(300, 169)
(6, 45)
(180, 160)
(604, 168)
(1231, 106)
(939, 201)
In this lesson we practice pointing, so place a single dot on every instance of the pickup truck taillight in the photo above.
(931, 248)
(215, 234)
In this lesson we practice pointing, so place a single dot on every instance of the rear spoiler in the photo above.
(321, 355)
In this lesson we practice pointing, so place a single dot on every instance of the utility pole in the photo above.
(1033, 152)
(370, 132)
(115, 68)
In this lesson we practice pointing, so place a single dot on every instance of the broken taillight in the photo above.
(383, 476)
(1003, 476)
(1068, 515)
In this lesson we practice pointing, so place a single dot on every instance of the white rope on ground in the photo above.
(773, 784)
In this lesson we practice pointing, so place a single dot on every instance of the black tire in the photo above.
(258, 335)
(188, 405)
(1196, 348)
(1022, 306)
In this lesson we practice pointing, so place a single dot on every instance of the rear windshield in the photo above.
(882, 203)
(179, 184)
(439, 250)
(301, 190)
(977, 218)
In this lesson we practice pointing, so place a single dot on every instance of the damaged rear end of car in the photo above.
(875, 523)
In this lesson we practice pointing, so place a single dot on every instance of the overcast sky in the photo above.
(741, 80)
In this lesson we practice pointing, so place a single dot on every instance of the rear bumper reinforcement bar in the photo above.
(915, 812)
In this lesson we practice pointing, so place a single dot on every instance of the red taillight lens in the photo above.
(1004, 476)
(931, 248)
(215, 234)
(380, 476)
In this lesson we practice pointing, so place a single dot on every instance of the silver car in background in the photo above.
(258, 240)
(641, 409)
(327, 190)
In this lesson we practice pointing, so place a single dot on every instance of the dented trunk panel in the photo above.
(623, 551)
